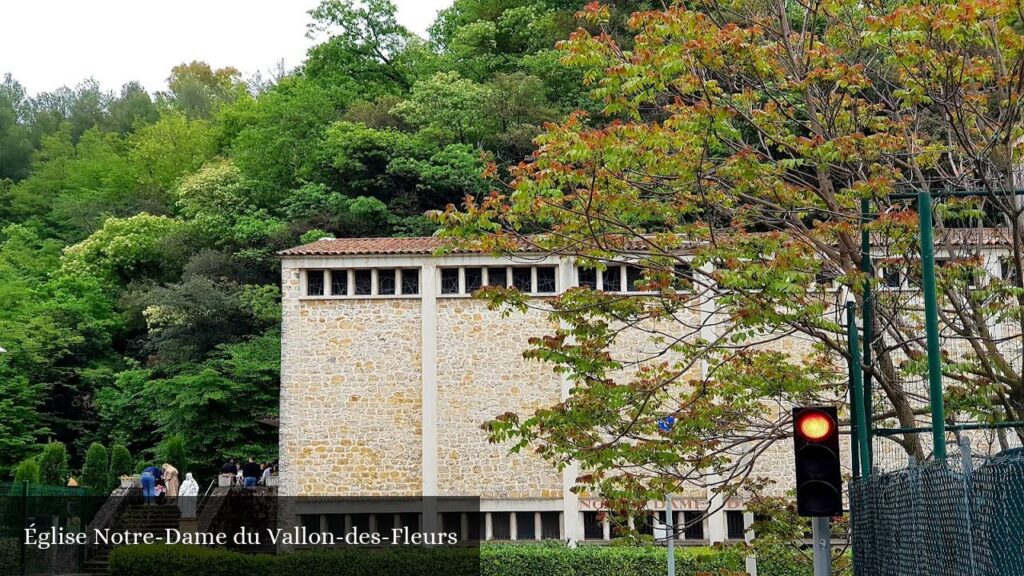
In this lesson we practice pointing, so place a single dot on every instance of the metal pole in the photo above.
(931, 320)
(670, 529)
(851, 334)
(968, 466)
(822, 535)
(868, 313)
(24, 524)
(857, 390)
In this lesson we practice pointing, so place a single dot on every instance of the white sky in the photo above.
(46, 44)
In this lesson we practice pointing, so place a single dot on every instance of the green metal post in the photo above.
(24, 525)
(931, 320)
(859, 413)
(868, 313)
(854, 398)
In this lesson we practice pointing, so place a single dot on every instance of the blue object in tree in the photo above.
(666, 423)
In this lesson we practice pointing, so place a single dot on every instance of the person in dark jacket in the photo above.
(251, 473)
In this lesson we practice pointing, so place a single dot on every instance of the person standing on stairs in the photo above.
(148, 487)
(171, 480)
(251, 473)
(229, 469)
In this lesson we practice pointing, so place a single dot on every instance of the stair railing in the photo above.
(205, 494)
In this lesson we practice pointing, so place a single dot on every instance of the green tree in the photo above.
(186, 320)
(449, 107)
(126, 249)
(408, 173)
(173, 452)
(215, 405)
(278, 133)
(27, 471)
(87, 108)
(214, 198)
(199, 91)
(737, 142)
(53, 464)
(132, 109)
(168, 149)
(120, 464)
(15, 142)
(96, 471)
(365, 45)
(518, 105)
(21, 424)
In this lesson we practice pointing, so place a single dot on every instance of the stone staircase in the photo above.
(135, 518)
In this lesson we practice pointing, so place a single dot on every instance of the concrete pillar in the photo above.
(748, 537)
(536, 526)
(428, 311)
(572, 523)
(488, 526)
(718, 528)
(513, 526)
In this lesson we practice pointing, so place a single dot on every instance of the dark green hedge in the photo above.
(542, 560)
(198, 561)
(494, 560)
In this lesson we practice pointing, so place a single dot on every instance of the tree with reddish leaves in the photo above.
(737, 143)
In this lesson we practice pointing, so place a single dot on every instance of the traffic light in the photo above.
(819, 484)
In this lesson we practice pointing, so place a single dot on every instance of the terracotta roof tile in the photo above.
(367, 246)
(429, 244)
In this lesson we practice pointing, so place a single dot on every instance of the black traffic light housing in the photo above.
(819, 483)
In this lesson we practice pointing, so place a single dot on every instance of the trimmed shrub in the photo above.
(27, 470)
(120, 464)
(96, 472)
(53, 464)
(173, 452)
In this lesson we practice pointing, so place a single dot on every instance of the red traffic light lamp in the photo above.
(814, 426)
(819, 482)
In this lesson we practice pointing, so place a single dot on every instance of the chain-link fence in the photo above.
(960, 517)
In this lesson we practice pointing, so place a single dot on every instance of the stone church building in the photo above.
(389, 368)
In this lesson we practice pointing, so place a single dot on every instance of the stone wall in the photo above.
(481, 374)
(353, 381)
(350, 395)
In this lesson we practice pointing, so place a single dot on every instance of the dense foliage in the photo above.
(138, 281)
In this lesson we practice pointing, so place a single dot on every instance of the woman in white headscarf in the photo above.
(171, 480)
(188, 495)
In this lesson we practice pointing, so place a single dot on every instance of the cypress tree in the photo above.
(53, 464)
(96, 472)
(120, 464)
